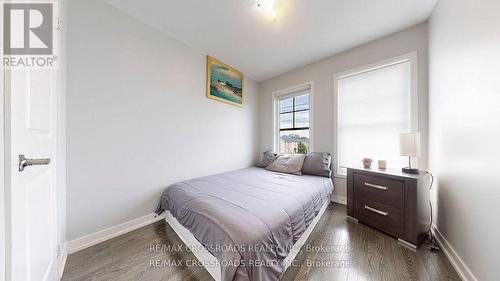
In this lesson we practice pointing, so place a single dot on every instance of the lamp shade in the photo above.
(409, 144)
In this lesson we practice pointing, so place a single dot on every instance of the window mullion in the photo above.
(294, 129)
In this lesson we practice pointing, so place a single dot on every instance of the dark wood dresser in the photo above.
(391, 201)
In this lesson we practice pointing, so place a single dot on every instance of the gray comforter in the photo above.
(248, 219)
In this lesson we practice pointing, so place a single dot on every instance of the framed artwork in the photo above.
(224, 83)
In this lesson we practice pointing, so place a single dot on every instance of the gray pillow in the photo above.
(267, 158)
(317, 164)
(289, 164)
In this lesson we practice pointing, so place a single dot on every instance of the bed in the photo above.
(247, 224)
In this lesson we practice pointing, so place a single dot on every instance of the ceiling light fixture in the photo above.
(267, 8)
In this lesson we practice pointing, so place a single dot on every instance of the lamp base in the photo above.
(410, 170)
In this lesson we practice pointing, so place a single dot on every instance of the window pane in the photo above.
(373, 108)
(286, 105)
(302, 102)
(302, 119)
(286, 121)
(296, 141)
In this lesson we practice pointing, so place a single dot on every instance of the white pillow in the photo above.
(289, 164)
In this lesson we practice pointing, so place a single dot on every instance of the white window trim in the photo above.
(290, 92)
(414, 125)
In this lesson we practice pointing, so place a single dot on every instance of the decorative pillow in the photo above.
(289, 164)
(318, 164)
(267, 158)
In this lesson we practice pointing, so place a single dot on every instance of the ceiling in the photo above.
(266, 44)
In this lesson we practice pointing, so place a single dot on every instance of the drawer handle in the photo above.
(381, 187)
(376, 211)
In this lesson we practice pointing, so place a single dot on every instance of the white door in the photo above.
(33, 197)
(31, 118)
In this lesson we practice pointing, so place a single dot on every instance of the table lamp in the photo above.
(409, 145)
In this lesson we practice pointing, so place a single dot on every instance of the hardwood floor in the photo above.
(338, 249)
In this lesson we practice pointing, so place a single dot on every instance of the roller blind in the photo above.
(373, 108)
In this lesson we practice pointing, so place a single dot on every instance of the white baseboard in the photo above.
(339, 199)
(454, 258)
(106, 234)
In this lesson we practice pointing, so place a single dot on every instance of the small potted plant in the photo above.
(367, 162)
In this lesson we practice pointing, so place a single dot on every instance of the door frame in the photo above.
(2, 182)
(61, 135)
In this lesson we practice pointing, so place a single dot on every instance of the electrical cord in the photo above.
(432, 240)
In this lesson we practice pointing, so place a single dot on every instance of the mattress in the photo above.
(248, 219)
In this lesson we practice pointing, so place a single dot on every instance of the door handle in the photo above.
(25, 162)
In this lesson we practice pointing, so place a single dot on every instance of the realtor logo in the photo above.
(27, 28)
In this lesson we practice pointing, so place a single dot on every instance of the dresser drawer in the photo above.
(391, 201)
(386, 191)
(381, 216)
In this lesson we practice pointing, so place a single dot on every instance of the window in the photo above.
(293, 120)
(374, 105)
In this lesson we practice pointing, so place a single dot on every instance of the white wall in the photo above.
(322, 73)
(138, 119)
(464, 120)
